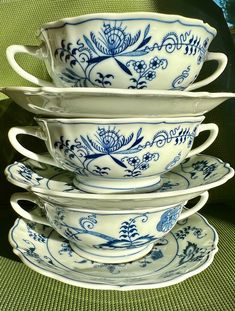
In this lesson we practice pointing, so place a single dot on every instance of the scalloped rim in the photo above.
(125, 196)
(129, 15)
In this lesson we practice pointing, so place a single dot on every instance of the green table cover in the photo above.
(23, 289)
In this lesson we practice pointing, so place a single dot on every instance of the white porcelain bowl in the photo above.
(108, 235)
(116, 155)
(123, 50)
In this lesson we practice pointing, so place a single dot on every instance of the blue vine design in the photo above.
(113, 41)
(203, 167)
(108, 141)
(129, 236)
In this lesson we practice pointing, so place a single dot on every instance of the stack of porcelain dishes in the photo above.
(119, 124)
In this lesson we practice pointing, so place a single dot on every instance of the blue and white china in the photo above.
(113, 103)
(128, 50)
(186, 181)
(116, 155)
(108, 235)
(185, 251)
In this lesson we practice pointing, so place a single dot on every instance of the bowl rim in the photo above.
(75, 20)
(107, 211)
(121, 121)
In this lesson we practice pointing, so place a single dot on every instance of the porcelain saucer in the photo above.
(186, 181)
(187, 250)
(114, 103)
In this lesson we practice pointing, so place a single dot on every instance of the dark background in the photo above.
(222, 199)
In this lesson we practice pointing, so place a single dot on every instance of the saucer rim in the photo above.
(116, 91)
(102, 286)
(198, 103)
(127, 196)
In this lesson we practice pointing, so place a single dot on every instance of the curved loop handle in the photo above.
(214, 130)
(35, 51)
(222, 60)
(27, 196)
(203, 199)
(35, 131)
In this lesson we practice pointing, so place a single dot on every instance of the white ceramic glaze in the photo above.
(116, 155)
(186, 181)
(123, 50)
(186, 251)
(108, 235)
(113, 103)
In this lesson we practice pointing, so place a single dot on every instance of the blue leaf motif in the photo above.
(85, 142)
(123, 67)
(95, 156)
(146, 31)
(89, 44)
(97, 59)
(63, 44)
(144, 42)
(135, 53)
(136, 142)
(118, 162)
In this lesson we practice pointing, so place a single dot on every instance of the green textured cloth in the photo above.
(22, 289)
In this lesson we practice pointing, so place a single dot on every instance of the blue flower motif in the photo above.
(155, 63)
(26, 173)
(204, 167)
(143, 166)
(148, 156)
(133, 161)
(140, 66)
(168, 219)
(192, 253)
(156, 254)
(150, 75)
(110, 140)
(114, 39)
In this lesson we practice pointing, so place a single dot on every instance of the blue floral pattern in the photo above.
(192, 253)
(201, 167)
(168, 219)
(129, 234)
(27, 174)
(122, 150)
(173, 257)
(179, 180)
(115, 42)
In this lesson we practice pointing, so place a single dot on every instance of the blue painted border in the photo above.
(213, 34)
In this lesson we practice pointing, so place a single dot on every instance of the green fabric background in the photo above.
(22, 289)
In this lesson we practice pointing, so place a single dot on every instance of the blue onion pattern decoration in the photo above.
(200, 169)
(129, 234)
(168, 219)
(188, 247)
(130, 154)
(127, 50)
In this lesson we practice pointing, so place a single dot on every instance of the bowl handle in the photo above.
(35, 131)
(30, 197)
(188, 212)
(214, 130)
(222, 60)
(35, 51)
